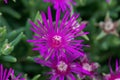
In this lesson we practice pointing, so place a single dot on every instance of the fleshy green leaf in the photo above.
(9, 58)
(37, 77)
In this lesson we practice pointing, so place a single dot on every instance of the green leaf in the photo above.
(86, 37)
(29, 58)
(82, 2)
(9, 58)
(15, 41)
(14, 33)
(3, 22)
(10, 11)
(28, 32)
(2, 33)
(36, 77)
(37, 17)
(101, 35)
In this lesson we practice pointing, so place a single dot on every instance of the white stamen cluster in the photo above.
(56, 37)
(117, 79)
(62, 66)
(87, 67)
(109, 25)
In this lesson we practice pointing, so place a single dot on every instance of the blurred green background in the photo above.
(17, 53)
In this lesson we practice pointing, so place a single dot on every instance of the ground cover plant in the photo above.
(59, 39)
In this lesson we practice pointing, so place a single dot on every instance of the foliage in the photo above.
(17, 53)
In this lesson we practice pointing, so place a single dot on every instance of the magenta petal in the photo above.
(44, 19)
(54, 77)
(58, 36)
(6, 1)
(6, 73)
(76, 52)
(71, 76)
(62, 4)
(61, 78)
(50, 16)
(57, 17)
(40, 61)
(117, 66)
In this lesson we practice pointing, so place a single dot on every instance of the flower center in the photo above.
(87, 67)
(62, 66)
(109, 26)
(117, 79)
(56, 41)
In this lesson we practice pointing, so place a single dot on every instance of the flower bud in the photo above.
(6, 48)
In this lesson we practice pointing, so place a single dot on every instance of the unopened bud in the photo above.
(6, 49)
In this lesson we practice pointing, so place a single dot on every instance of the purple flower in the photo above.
(62, 4)
(6, 74)
(55, 38)
(62, 68)
(109, 26)
(88, 66)
(113, 75)
(6, 1)
(108, 1)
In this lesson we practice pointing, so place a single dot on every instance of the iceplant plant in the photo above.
(62, 68)
(62, 4)
(113, 75)
(8, 74)
(52, 39)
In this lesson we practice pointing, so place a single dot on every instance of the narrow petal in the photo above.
(44, 20)
(9, 72)
(74, 51)
(110, 66)
(79, 69)
(4, 74)
(64, 20)
(18, 76)
(50, 16)
(71, 77)
(61, 78)
(43, 62)
(57, 17)
(117, 66)
(1, 71)
(54, 77)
